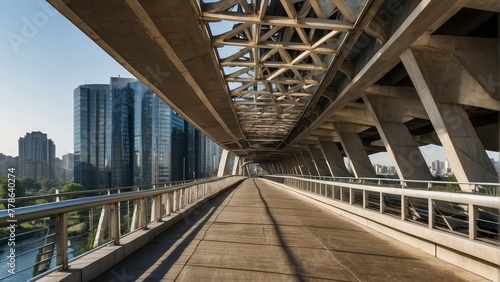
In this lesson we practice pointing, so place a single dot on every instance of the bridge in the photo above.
(296, 86)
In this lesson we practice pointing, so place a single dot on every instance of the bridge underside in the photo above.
(256, 232)
(301, 84)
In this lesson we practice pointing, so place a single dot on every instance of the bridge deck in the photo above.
(259, 232)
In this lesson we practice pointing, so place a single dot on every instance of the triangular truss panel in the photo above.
(273, 54)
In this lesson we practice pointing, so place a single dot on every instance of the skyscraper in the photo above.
(92, 107)
(126, 135)
(122, 131)
(152, 140)
(37, 156)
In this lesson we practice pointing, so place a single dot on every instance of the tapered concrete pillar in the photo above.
(355, 151)
(282, 167)
(236, 166)
(298, 164)
(319, 161)
(287, 166)
(223, 163)
(277, 168)
(308, 160)
(303, 164)
(399, 143)
(293, 165)
(334, 159)
(464, 150)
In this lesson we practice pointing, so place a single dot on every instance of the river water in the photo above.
(26, 249)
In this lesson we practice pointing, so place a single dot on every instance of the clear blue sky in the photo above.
(37, 82)
(41, 66)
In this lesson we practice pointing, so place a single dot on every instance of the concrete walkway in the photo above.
(260, 232)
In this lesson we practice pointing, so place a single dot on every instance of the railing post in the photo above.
(157, 208)
(114, 226)
(62, 241)
(365, 199)
(381, 202)
(57, 198)
(169, 202)
(179, 199)
(175, 204)
(403, 207)
(143, 213)
(341, 189)
(351, 196)
(431, 213)
(472, 222)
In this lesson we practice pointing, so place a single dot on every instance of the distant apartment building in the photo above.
(67, 166)
(37, 156)
(7, 162)
(126, 135)
(384, 170)
(213, 154)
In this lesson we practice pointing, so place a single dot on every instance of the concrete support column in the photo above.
(236, 166)
(399, 143)
(319, 161)
(334, 159)
(223, 163)
(299, 162)
(309, 162)
(289, 166)
(296, 167)
(276, 168)
(456, 133)
(303, 162)
(281, 167)
(355, 151)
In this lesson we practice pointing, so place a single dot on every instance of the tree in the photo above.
(31, 184)
(71, 187)
(46, 184)
(14, 191)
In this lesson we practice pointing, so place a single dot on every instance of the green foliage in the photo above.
(212, 173)
(31, 184)
(71, 187)
(14, 191)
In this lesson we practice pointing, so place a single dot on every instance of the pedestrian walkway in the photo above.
(258, 231)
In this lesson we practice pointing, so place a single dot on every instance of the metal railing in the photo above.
(479, 187)
(55, 197)
(471, 216)
(65, 230)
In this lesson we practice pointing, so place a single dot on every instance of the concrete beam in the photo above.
(309, 163)
(471, 76)
(236, 166)
(355, 151)
(223, 163)
(319, 161)
(464, 150)
(334, 159)
(299, 163)
(420, 21)
(402, 148)
(167, 67)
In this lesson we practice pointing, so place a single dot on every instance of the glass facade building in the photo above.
(91, 108)
(126, 135)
